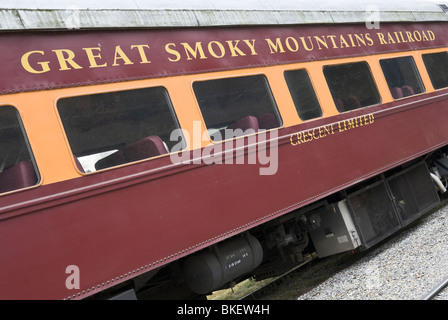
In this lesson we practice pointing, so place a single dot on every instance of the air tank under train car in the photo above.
(210, 270)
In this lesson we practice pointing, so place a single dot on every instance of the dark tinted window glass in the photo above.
(437, 66)
(402, 77)
(351, 86)
(109, 129)
(17, 167)
(303, 94)
(243, 103)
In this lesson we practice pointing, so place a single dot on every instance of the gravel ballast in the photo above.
(406, 267)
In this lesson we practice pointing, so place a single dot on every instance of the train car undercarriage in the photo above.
(356, 218)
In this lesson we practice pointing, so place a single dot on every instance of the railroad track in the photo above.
(276, 281)
(305, 276)
(436, 290)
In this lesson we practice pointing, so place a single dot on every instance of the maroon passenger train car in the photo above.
(164, 151)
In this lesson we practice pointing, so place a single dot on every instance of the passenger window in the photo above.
(402, 77)
(351, 86)
(437, 66)
(109, 129)
(17, 165)
(303, 94)
(241, 105)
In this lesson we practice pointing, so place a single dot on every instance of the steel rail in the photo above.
(431, 294)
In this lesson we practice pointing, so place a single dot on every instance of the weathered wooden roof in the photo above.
(92, 14)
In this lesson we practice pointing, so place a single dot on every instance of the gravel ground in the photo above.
(407, 267)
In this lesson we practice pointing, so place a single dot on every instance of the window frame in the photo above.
(270, 92)
(427, 70)
(21, 126)
(416, 73)
(110, 91)
(372, 78)
(322, 113)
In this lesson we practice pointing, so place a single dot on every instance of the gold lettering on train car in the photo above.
(213, 49)
(234, 50)
(321, 41)
(409, 35)
(324, 131)
(355, 122)
(92, 57)
(310, 43)
(172, 51)
(390, 38)
(381, 38)
(360, 39)
(329, 129)
(350, 124)
(402, 37)
(251, 45)
(343, 43)
(194, 52)
(291, 140)
(311, 134)
(398, 37)
(65, 57)
(141, 51)
(342, 126)
(220, 48)
(332, 37)
(274, 48)
(417, 36)
(350, 36)
(119, 54)
(305, 45)
(292, 44)
(431, 35)
(44, 65)
(369, 39)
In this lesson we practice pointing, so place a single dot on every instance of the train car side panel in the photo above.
(94, 222)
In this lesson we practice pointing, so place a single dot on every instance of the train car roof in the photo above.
(93, 14)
